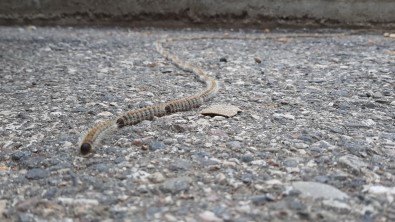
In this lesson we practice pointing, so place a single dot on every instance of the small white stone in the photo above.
(149, 94)
(105, 114)
(259, 162)
(57, 114)
(338, 205)
(239, 138)
(151, 166)
(104, 70)
(301, 146)
(5, 113)
(283, 116)
(218, 118)
(378, 189)
(369, 122)
(273, 182)
(209, 217)
(71, 201)
(256, 117)
(314, 189)
(292, 169)
(244, 209)
(220, 177)
(67, 144)
(289, 116)
(140, 175)
(157, 177)
(203, 122)
(170, 217)
(168, 200)
(208, 145)
(47, 49)
(302, 152)
(71, 70)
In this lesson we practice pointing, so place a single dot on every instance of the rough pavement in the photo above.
(315, 139)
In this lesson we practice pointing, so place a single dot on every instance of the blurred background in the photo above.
(201, 13)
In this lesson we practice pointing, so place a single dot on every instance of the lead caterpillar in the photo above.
(148, 113)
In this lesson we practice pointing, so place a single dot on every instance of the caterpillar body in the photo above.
(93, 135)
(183, 104)
(138, 115)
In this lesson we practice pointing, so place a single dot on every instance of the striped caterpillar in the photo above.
(148, 113)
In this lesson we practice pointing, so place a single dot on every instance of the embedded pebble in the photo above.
(234, 144)
(223, 59)
(156, 145)
(261, 199)
(208, 216)
(19, 155)
(279, 116)
(221, 110)
(72, 201)
(247, 158)
(180, 164)
(176, 185)
(352, 162)
(297, 205)
(315, 190)
(105, 114)
(157, 177)
(378, 189)
(337, 205)
(36, 174)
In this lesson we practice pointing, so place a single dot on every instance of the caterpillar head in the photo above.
(121, 122)
(85, 148)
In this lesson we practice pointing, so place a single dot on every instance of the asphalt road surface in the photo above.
(315, 139)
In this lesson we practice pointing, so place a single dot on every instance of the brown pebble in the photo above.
(283, 39)
(137, 142)
(214, 167)
(258, 60)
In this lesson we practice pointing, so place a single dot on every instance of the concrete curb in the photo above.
(363, 13)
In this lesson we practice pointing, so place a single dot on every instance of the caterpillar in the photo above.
(148, 113)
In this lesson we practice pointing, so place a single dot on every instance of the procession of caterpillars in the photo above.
(148, 113)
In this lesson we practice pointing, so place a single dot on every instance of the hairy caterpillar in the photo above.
(184, 104)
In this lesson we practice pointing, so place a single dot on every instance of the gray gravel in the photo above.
(315, 139)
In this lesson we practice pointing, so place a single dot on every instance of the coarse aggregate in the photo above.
(314, 141)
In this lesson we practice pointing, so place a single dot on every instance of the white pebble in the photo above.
(209, 217)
